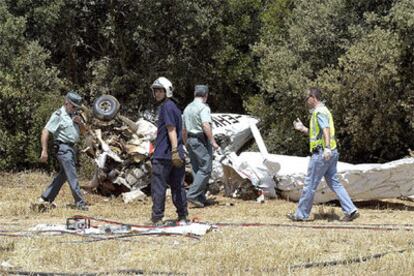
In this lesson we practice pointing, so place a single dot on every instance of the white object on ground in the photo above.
(193, 228)
(250, 165)
(6, 264)
(232, 131)
(133, 196)
(362, 181)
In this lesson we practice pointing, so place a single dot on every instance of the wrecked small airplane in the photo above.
(121, 149)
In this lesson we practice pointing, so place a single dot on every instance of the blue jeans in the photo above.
(66, 156)
(201, 156)
(318, 168)
(163, 174)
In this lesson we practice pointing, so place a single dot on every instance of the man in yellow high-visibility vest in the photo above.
(323, 161)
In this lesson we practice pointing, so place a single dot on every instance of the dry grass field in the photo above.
(262, 250)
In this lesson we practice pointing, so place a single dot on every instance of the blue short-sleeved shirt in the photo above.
(62, 127)
(168, 115)
(323, 120)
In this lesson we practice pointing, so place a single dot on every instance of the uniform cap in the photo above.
(74, 98)
(201, 90)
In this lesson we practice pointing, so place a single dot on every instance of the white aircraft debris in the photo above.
(363, 181)
(191, 228)
(122, 148)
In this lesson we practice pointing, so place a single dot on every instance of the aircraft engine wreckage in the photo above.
(121, 149)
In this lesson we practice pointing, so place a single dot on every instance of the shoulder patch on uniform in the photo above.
(58, 112)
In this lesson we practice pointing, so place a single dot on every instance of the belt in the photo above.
(317, 149)
(64, 143)
(196, 135)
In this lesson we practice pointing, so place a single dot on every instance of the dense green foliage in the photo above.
(28, 91)
(360, 53)
(257, 56)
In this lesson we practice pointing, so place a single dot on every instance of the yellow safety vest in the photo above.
(316, 134)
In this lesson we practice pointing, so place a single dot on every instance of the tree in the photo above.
(359, 53)
(26, 84)
(368, 76)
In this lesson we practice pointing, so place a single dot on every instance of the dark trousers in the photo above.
(163, 174)
(67, 159)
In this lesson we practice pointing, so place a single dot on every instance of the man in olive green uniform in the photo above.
(66, 126)
(199, 139)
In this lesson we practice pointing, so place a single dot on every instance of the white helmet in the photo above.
(164, 83)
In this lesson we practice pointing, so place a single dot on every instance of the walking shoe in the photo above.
(40, 200)
(42, 205)
(293, 217)
(351, 216)
(210, 202)
(157, 223)
(195, 203)
(47, 204)
(182, 220)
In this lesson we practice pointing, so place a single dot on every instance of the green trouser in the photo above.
(201, 156)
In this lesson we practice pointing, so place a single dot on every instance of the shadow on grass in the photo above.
(378, 205)
(382, 205)
(326, 216)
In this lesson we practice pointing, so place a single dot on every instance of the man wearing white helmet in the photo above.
(167, 161)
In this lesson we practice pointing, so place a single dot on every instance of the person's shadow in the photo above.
(326, 216)
(370, 205)
(382, 205)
